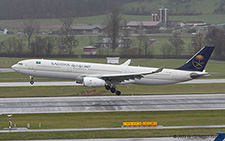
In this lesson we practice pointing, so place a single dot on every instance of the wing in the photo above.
(126, 76)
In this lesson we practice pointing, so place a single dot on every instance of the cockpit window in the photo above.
(20, 64)
(38, 62)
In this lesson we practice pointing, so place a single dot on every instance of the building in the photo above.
(160, 19)
(177, 23)
(145, 25)
(162, 16)
(3, 31)
(90, 50)
(113, 60)
(195, 23)
(107, 43)
(84, 29)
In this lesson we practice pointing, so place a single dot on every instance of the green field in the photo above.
(57, 91)
(215, 68)
(113, 119)
(89, 41)
(143, 133)
(197, 6)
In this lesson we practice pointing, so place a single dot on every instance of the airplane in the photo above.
(108, 75)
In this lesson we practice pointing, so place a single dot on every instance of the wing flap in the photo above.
(126, 76)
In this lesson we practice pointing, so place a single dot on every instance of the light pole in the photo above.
(10, 121)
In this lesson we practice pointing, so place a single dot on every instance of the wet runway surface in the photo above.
(73, 83)
(112, 103)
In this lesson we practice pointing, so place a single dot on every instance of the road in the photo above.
(72, 83)
(112, 103)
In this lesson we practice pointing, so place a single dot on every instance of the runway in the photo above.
(112, 103)
(113, 128)
(73, 83)
(27, 84)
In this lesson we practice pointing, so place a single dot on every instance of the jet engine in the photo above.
(93, 82)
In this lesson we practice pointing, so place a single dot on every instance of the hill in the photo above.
(176, 7)
(47, 9)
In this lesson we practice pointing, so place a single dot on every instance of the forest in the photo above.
(42, 9)
(45, 9)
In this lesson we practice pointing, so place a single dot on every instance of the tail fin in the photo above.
(199, 60)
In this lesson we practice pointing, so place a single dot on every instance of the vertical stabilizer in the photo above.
(199, 60)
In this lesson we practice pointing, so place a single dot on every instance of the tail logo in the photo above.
(198, 62)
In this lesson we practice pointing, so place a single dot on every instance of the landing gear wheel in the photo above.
(31, 82)
(107, 87)
(113, 90)
(118, 93)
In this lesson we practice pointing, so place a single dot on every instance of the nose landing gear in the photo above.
(112, 89)
(31, 80)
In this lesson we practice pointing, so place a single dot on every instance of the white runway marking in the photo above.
(115, 128)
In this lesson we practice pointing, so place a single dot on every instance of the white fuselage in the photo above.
(77, 70)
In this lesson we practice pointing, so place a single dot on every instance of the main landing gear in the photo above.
(112, 89)
(31, 80)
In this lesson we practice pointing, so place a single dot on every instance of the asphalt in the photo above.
(73, 83)
(112, 103)
(99, 129)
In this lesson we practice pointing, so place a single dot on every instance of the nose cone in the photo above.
(14, 67)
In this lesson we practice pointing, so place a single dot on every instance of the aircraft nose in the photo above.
(14, 67)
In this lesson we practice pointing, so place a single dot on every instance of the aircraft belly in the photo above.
(152, 81)
(50, 74)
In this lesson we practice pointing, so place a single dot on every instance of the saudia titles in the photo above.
(198, 62)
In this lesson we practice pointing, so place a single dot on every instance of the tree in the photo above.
(49, 44)
(71, 42)
(135, 51)
(166, 49)
(146, 44)
(199, 41)
(12, 45)
(29, 28)
(67, 40)
(216, 37)
(66, 25)
(126, 39)
(141, 34)
(177, 43)
(37, 47)
(143, 39)
(113, 27)
(4, 46)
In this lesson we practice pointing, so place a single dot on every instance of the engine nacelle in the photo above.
(93, 82)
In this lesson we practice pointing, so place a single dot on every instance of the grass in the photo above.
(197, 6)
(113, 119)
(211, 18)
(90, 40)
(216, 68)
(112, 134)
(58, 91)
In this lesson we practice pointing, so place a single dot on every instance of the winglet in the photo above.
(199, 60)
(127, 63)
(156, 71)
(159, 69)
